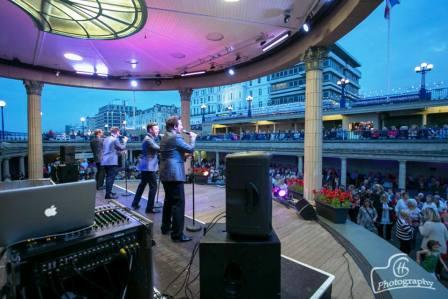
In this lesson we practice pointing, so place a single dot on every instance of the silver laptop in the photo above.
(33, 212)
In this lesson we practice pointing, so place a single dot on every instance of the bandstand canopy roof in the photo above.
(175, 37)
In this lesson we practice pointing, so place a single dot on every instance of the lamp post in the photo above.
(3, 105)
(343, 82)
(423, 68)
(124, 127)
(249, 100)
(82, 119)
(230, 108)
(203, 107)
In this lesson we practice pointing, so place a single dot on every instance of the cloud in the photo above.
(439, 48)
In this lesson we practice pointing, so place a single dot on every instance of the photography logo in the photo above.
(402, 278)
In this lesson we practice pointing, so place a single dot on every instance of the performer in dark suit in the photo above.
(112, 148)
(96, 145)
(148, 165)
(172, 174)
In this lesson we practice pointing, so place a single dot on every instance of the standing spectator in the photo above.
(112, 148)
(149, 164)
(385, 217)
(402, 203)
(404, 231)
(433, 229)
(367, 216)
(96, 145)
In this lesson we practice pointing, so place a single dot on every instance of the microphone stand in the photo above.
(126, 193)
(157, 204)
(195, 227)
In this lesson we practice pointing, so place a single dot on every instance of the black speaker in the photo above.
(239, 267)
(67, 154)
(248, 194)
(65, 173)
(306, 210)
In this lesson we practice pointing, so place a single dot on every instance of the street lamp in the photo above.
(203, 107)
(82, 119)
(249, 100)
(230, 108)
(124, 126)
(343, 82)
(3, 105)
(423, 68)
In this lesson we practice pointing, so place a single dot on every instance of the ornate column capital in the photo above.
(314, 56)
(33, 87)
(185, 94)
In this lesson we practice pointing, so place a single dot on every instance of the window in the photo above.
(260, 104)
(250, 92)
(259, 80)
(259, 92)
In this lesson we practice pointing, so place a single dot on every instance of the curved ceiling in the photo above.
(179, 37)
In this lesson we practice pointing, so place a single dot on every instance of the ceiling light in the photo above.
(276, 42)
(87, 19)
(231, 0)
(72, 56)
(231, 72)
(306, 27)
(192, 73)
(84, 68)
(102, 70)
(134, 83)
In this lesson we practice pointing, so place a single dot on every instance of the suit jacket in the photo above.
(149, 160)
(96, 144)
(172, 150)
(111, 149)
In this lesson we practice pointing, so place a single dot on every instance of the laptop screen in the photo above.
(38, 211)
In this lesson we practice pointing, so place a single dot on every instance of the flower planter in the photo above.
(201, 179)
(336, 215)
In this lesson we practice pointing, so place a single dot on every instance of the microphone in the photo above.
(186, 132)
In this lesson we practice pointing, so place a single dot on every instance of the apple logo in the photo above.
(51, 211)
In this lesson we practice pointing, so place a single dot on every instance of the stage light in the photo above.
(306, 27)
(134, 83)
(205, 173)
(282, 193)
(192, 74)
(276, 42)
(231, 72)
(73, 56)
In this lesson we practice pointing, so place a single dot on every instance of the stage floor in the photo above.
(303, 241)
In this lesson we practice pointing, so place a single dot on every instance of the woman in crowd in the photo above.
(367, 216)
(433, 229)
(430, 258)
(404, 231)
(386, 216)
(414, 219)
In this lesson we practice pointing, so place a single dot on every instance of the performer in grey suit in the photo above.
(96, 145)
(148, 165)
(172, 174)
(112, 148)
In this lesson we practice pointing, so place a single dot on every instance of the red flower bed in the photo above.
(201, 171)
(295, 185)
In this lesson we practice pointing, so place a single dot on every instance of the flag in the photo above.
(389, 5)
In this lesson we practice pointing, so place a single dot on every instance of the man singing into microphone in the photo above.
(112, 148)
(148, 165)
(172, 174)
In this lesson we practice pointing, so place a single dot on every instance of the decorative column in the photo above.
(5, 168)
(185, 100)
(35, 155)
(402, 175)
(217, 159)
(424, 119)
(22, 165)
(313, 121)
(131, 157)
(299, 165)
(343, 181)
(1, 172)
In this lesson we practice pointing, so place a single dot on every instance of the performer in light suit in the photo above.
(112, 148)
(148, 165)
(172, 174)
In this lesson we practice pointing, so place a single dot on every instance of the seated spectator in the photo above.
(392, 133)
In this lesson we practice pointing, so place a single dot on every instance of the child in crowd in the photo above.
(428, 258)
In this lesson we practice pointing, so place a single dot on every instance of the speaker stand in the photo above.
(126, 193)
(157, 204)
(194, 227)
